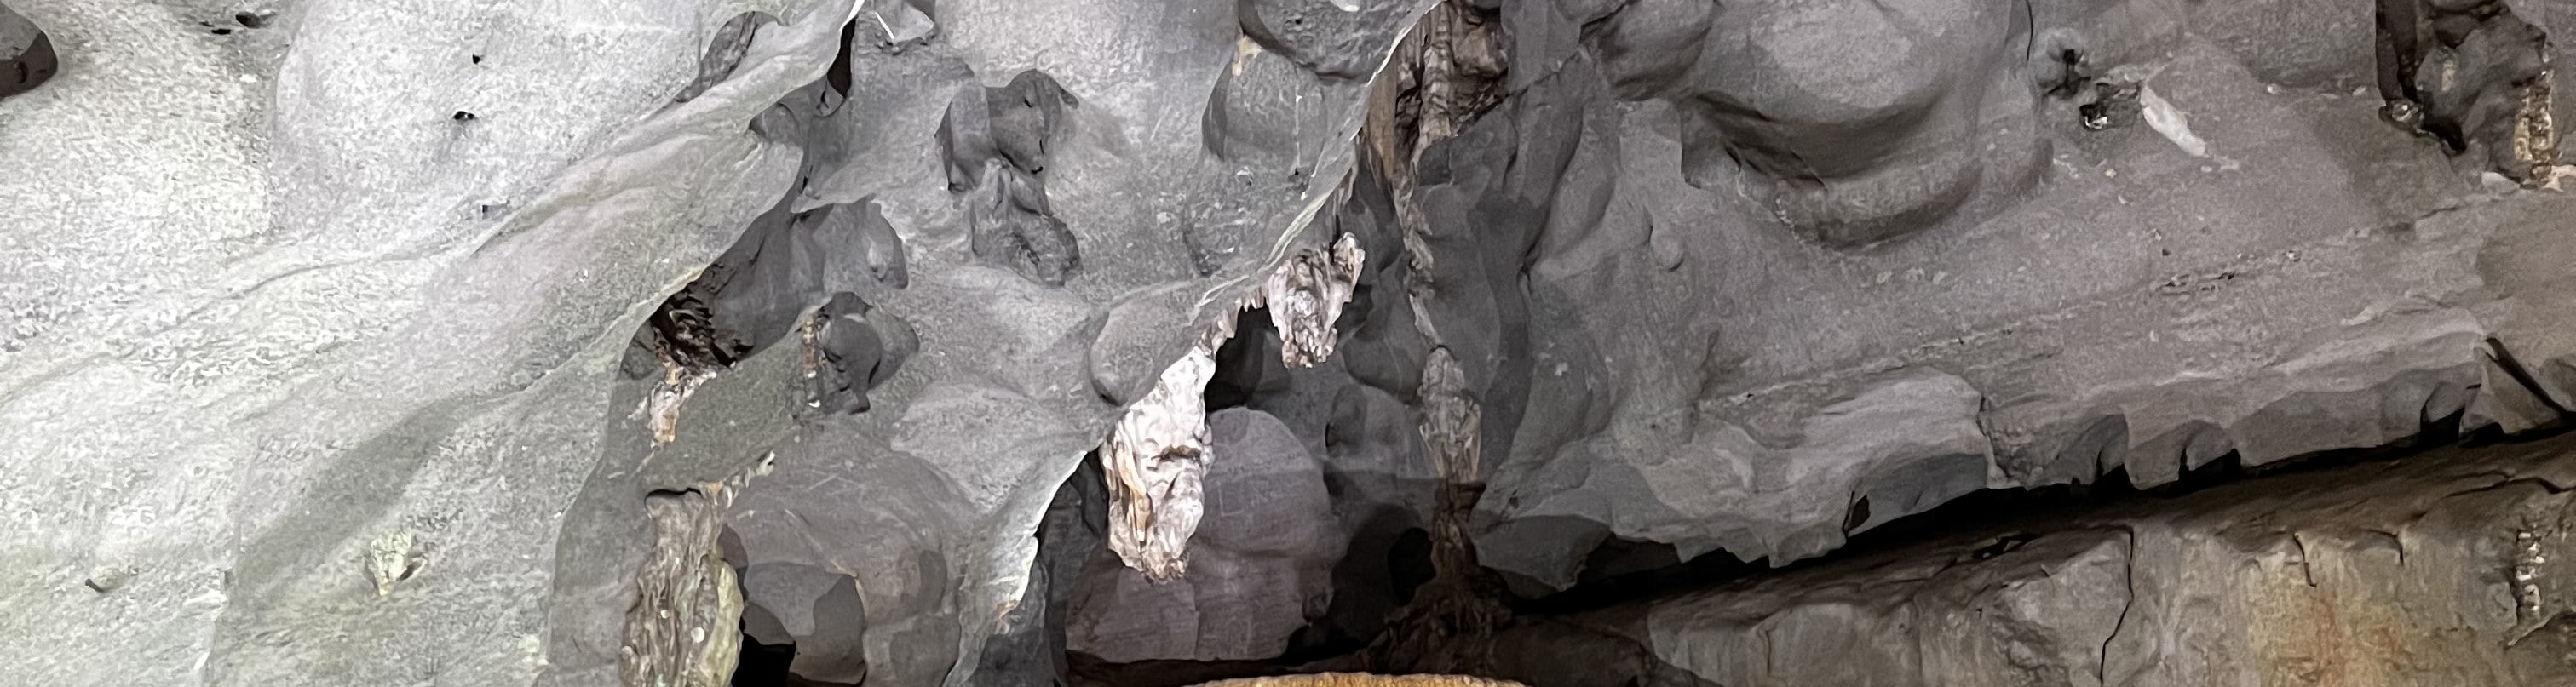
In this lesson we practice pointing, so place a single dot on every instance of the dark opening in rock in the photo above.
(1245, 363)
(1859, 514)
(30, 53)
(763, 664)
(766, 665)
(1408, 564)
(839, 76)
(2220, 470)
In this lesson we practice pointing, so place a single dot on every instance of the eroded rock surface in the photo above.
(2437, 569)
(1257, 570)
(416, 342)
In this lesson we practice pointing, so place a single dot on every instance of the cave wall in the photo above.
(499, 344)
(1749, 280)
(2441, 568)
(348, 342)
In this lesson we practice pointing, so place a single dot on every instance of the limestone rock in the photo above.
(406, 341)
(1258, 568)
(2436, 568)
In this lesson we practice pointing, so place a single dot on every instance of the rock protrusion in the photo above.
(2476, 76)
(1260, 564)
(851, 349)
(1305, 297)
(1155, 460)
(996, 142)
(682, 629)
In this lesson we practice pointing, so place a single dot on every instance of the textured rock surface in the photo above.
(2315, 280)
(1258, 569)
(541, 343)
(2438, 569)
(292, 303)
(298, 302)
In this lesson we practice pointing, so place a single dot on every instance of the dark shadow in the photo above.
(1244, 362)
(31, 59)
(2220, 470)
(1621, 570)
(765, 665)
(839, 76)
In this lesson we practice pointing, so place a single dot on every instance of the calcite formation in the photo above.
(1155, 459)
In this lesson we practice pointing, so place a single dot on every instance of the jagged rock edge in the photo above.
(1154, 502)
(1277, 274)
(2488, 349)
(1009, 588)
(727, 100)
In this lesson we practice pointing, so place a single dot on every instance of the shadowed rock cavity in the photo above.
(776, 286)
(30, 54)
(2285, 578)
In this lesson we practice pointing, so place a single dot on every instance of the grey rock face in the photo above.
(327, 301)
(995, 140)
(533, 343)
(1259, 567)
(1901, 446)
(1855, 121)
(2138, 315)
(2438, 569)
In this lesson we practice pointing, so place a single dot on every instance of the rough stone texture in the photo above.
(1258, 569)
(2441, 568)
(2319, 280)
(346, 342)
(1901, 446)
(678, 631)
(1156, 459)
(287, 305)
(297, 277)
